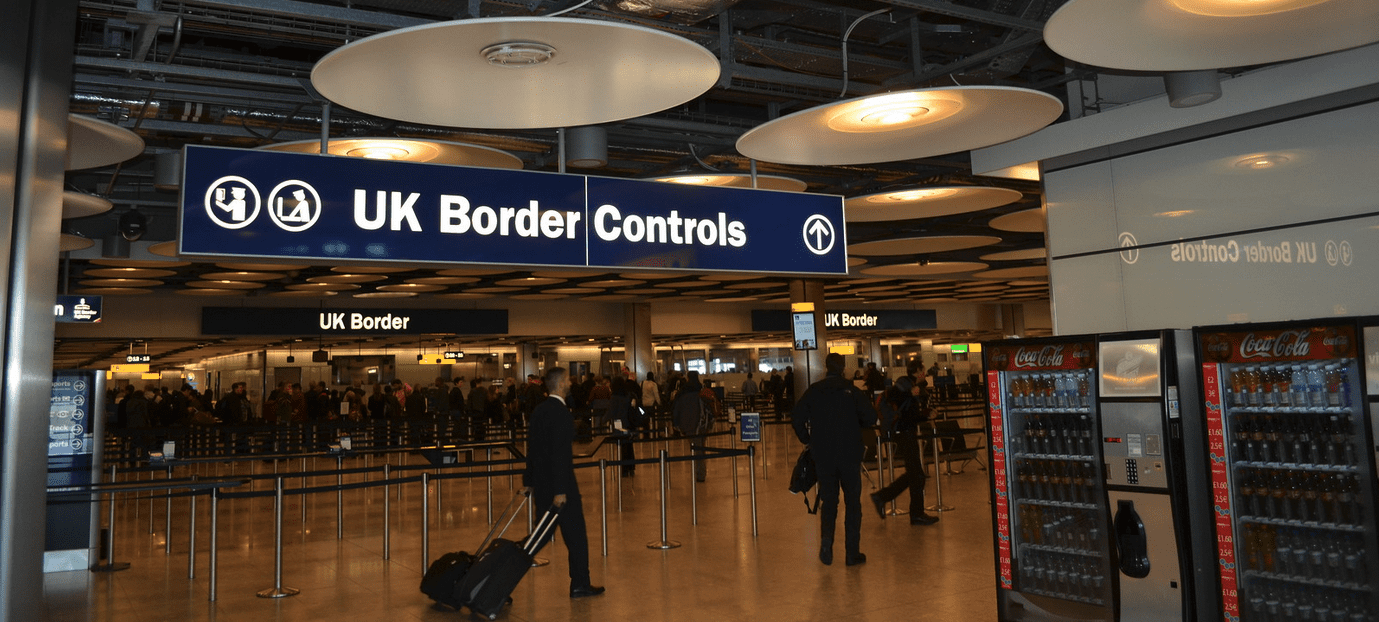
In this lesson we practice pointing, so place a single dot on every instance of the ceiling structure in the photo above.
(237, 73)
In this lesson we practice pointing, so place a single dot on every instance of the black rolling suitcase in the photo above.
(501, 566)
(442, 579)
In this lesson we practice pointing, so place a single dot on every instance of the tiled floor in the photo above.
(941, 572)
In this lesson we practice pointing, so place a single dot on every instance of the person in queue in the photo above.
(829, 418)
(550, 476)
(906, 400)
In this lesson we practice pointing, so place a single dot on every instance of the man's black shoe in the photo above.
(880, 505)
(860, 558)
(588, 590)
(923, 519)
(826, 553)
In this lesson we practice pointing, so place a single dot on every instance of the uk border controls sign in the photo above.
(263, 204)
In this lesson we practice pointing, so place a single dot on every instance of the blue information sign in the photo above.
(77, 309)
(250, 203)
(750, 427)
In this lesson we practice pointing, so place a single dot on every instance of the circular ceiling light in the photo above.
(385, 295)
(1025, 221)
(444, 280)
(464, 296)
(410, 287)
(140, 263)
(1023, 254)
(1242, 8)
(1192, 35)
(69, 242)
(321, 287)
(497, 73)
(930, 202)
(209, 292)
(226, 284)
(122, 282)
(242, 276)
(128, 273)
(1261, 161)
(166, 249)
(872, 129)
(92, 143)
(922, 245)
(370, 269)
(924, 269)
(260, 267)
(1013, 273)
(407, 149)
(79, 204)
(346, 278)
(304, 294)
(736, 180)
(114, 291)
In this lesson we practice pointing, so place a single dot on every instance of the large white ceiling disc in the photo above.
(78, 205)
(921, 245)
(901, 126)
(516, 72)
(93, 143)
(407, 149)
(927, 202)
(1189, 35)
(736, 180)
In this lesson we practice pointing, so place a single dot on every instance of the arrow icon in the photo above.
(819, 234)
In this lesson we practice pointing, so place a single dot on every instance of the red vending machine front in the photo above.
(1292, 471)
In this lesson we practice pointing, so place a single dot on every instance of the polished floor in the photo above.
(721, 571)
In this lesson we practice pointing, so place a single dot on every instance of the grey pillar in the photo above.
(1013, 320)
(875, 353)
(809, 364)
(35, 84)
(640, 355)
(526, 361)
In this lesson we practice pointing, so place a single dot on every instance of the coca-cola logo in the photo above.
(1082, 355)
(1000, 360)
(1047, 356)
(1217, 348)
(1287, 344)
(1338, 342)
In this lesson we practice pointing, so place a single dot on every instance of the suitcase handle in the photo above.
(542, 531)
(512, 515)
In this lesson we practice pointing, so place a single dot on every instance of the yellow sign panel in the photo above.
(432, 359)
(844, 350)
(801, 307)
(126, 368)
(153, 375)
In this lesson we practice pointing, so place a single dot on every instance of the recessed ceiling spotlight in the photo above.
(1175, 213)
(518, 53)
(884, 113)
(1261, 161)
(380, 152)
(1242, 8)
(918, 194)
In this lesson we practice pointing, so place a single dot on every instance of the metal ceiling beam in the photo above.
(325, 12)
(977, 15)
(188, 72)
(1027, 40)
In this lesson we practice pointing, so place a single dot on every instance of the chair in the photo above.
(952, 446)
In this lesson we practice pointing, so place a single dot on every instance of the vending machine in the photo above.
(1291, 433)
(1096, 480)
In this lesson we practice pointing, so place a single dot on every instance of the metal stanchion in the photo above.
(488, 457)
(694, 494)
(302, 501)
(167, 520)
(734, 461)
(339, 498)
(938, 505)
(752, 481)
(110, 564)
(895, 509)
(150, 504)
(663, 543)
(215, 537)
(603, 501)
(765, 468)
(425, 520)
(387, 515)
(191, 536)
(278, 591)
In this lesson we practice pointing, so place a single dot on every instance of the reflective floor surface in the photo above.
(721, 571)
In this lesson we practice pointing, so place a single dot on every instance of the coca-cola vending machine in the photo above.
(1093, 478)
(1291, 433)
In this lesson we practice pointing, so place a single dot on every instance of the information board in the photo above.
(70, 418)
(251, 203)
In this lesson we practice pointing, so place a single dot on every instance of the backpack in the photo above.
(692, 416)
(804, 477)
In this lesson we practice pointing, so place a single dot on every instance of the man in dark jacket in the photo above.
(551, 476)
(692, 416)
(829, 418)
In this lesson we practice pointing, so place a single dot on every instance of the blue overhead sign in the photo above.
(250, 203)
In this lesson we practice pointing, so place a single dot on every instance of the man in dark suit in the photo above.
(551, 475)
(829, 419)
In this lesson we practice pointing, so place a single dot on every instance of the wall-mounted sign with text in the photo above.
(772, 320)
(249, 203)
(77, 309)
(289, 321)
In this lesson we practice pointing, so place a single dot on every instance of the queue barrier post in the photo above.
(603, 502)
(938, 505)
(387, 514)
(278, 591)
(110, 564)
(752, 482)
(664, 542)
(425, 519)
(215, 533)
